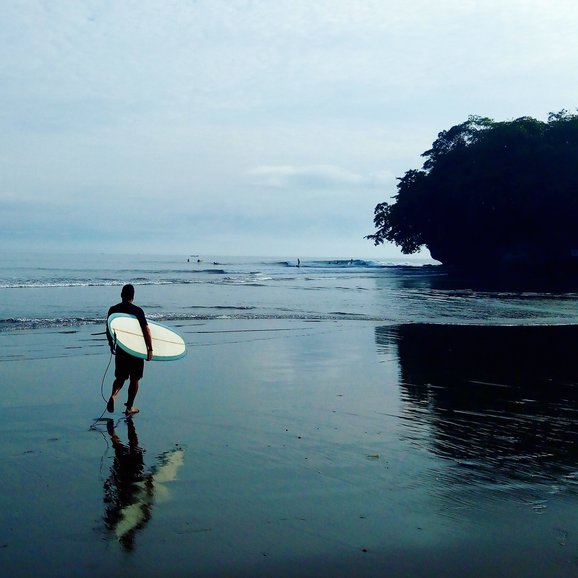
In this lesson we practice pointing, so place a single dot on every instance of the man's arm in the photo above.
(146, 332)
(108, 335)
(148, 341)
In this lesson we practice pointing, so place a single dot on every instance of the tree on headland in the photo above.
(491, 193)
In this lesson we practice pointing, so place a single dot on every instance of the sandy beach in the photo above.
(289, 449)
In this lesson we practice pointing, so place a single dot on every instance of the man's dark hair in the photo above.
(127, 292)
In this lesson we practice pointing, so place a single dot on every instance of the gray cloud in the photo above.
(163, 106)
(316, 177)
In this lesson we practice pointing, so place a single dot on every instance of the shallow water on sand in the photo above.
(294, 448)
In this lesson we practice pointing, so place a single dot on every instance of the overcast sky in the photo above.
(240, 127)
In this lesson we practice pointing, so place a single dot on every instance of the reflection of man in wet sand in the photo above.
(125, 511)
(130, 492)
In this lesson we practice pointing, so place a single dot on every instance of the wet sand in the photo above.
(294, 449)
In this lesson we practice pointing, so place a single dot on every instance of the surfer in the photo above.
(128, 366)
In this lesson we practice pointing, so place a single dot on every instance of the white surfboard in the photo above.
(126, 330)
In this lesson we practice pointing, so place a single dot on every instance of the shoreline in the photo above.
(287, 448)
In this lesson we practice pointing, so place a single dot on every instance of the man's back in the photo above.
(130, 309)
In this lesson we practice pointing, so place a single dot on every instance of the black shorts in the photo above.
(128, 366)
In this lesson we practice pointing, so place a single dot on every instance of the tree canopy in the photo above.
(490, 192)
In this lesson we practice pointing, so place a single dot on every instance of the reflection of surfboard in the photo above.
(151, 490)
(167, 345)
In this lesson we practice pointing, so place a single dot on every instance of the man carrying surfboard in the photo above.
(128, 366)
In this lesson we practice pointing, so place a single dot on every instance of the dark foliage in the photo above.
(491, 192)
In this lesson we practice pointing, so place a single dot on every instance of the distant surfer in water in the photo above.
(128, 366)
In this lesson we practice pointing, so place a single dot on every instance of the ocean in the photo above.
(43, 291)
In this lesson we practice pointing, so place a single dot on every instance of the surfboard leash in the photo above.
(93, 426)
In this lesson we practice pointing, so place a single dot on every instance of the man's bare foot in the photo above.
(110, 404)
(131, 411)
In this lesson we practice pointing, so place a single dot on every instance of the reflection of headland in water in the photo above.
(130, 491)
(501, 401)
